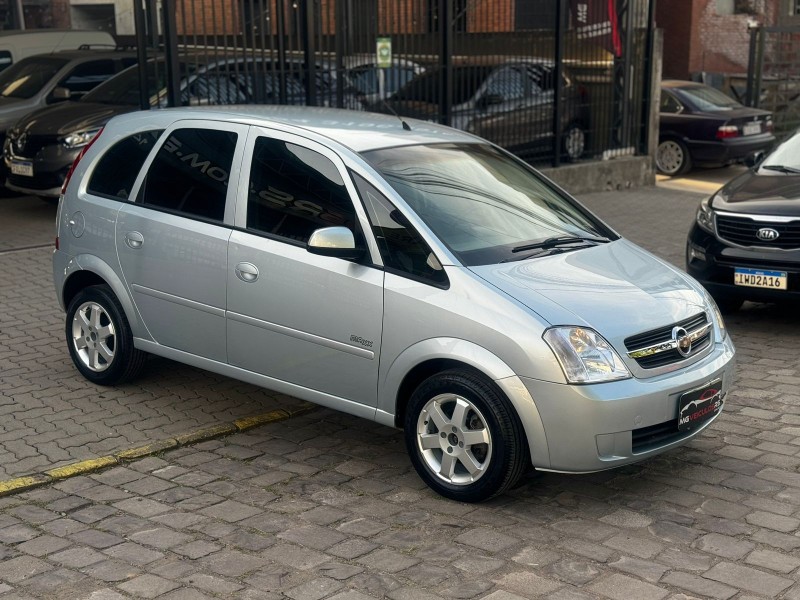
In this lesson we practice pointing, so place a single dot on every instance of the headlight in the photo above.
(723, 332)
(705, 216)
(79, 138)
(584, 355)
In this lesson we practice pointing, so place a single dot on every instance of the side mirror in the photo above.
(334, 241)
(753, 160)
(61, 93)
(488, 100)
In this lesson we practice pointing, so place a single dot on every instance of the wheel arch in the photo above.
(432, 356)
(87, 270)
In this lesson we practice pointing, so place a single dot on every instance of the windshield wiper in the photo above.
(780, 168)
(560, 240)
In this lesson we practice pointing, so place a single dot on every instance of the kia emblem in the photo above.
(767, 234)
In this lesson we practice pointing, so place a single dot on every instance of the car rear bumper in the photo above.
(729, 150)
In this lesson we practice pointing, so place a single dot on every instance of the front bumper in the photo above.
(712, 263)
(601, 426)
(50, 165)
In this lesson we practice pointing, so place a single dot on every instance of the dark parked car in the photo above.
(745, 242)
(507, 102)
(699, 125)
(41, 147)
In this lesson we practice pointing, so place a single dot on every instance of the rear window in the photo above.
(115, 173)
(27, 77)
(707, 99)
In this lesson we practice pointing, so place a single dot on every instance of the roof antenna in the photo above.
(388, 107)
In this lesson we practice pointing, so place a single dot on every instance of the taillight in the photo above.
(727, 131)
(77, 160)
(768, 125)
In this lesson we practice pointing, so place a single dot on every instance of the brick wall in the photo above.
(210, 17)
(675, 18)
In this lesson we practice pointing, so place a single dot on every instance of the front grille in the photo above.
(647, 438)
(33, 144)
(663, 335)
(742, 231)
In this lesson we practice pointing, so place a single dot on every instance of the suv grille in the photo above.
(656, 348)
(32, 144)
(742, 231)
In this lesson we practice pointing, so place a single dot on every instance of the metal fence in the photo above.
(773, 76)
(550, 80)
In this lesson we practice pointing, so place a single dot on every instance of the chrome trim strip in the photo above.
(301, 335)
(694, 335)
(759, 218)
(206, 308)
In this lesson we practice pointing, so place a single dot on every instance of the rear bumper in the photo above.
(729, 150)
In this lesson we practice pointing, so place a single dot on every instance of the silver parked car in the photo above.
(422, 278)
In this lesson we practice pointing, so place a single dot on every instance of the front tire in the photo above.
(672, 157)
(99, 337)
(463, 437)
(574, 142)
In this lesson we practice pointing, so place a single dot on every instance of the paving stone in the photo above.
(388, 561)
(352, 548)
(196, 549)
(77, 557)
(622, 587)
(487, 539)
(527, 583)
(133, 553)
(725, 546)
(232, 563)
(747, 578)
(638, 546)
(20, 568)
(160, 537)
(111, 571)
(361, 526)
(148, 586)
(315, 589)
(575, 572)
(775, 561)
(96, 539)
(648, 570)
(17, 533)
(699, 585)
(339, 571)
(627, 518)
(142, 507)
(43, 545)
(212, 584)
(313, 536)
(92, 514)
(773, 521)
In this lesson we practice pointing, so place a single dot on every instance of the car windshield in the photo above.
(123, 89)
(708, 99)
(480, 202)
(785, 155)
(25, 78)
(425, 88)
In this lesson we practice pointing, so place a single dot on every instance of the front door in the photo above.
(313, 321)
(173, 241)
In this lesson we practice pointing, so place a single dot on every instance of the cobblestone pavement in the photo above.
(327, 506)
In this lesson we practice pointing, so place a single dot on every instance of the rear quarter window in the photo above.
(116, 171)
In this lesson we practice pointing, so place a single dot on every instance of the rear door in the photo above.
(313, 321)
(172, 241)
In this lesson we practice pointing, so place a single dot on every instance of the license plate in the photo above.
(698, 406)
(22, 168)
(774, 280)
(751, 129)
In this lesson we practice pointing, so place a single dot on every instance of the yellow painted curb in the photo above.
(201, 435)
(147, 449)
(84, 466)
(20, 484)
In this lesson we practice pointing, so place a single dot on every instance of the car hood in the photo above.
(617, 288)
(69, 117)
(760, 193)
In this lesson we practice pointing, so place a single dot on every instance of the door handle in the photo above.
(247, 272)
(134, 239)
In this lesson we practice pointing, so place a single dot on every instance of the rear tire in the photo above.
(574, 142)
(672, 157)
(99, 337)
(464, 438)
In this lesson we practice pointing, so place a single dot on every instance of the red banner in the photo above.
(597, 19)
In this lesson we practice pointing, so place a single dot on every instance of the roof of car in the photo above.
(680, 83)
(94, 52)
(359, 131)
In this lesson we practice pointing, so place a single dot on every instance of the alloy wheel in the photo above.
(93, 336)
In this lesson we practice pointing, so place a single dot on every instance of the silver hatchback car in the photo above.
(417, 276)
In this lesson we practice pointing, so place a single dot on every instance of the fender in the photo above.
(480, 359)
(88, 262)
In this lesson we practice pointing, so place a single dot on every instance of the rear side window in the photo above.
(295, 191)
(189, 175)
(116, 171)
(402, 248)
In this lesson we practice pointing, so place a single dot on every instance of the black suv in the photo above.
(745, 242)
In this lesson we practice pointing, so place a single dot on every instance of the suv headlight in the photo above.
(584, 356)
(79, 138)
(723, 332)
(705, 216)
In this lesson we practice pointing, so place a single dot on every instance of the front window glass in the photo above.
(25, 78)
(709, 99)
(426, 87)
(123, 90)
(785, 155)
(669, 104)
(480, 202)
(508, 84)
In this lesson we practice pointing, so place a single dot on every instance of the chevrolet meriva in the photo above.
(419, 277)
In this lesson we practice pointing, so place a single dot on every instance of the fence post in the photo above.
(307, 35)
(342, 35)
(445, 60)
(558, 79)
(169, 25)
(651, 79)
(141, 53)
(756, 99)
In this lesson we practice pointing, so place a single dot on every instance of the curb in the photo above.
(28, 482)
